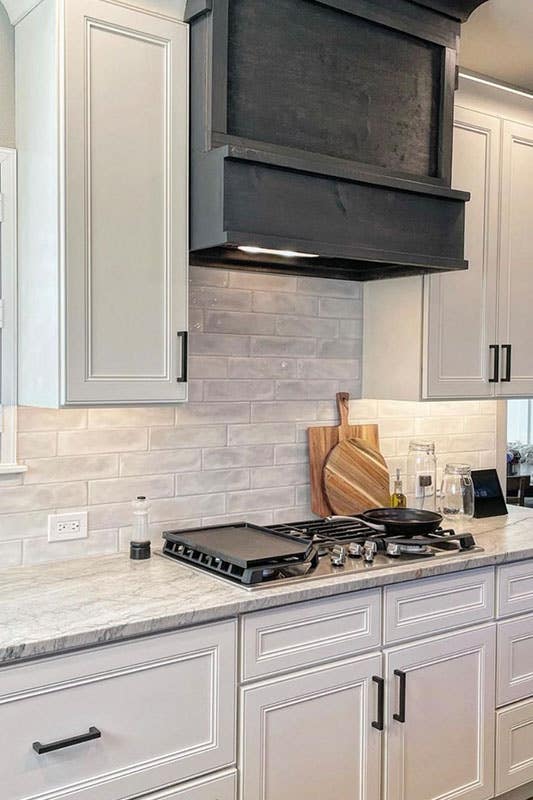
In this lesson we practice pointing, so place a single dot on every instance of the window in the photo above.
(8, 312)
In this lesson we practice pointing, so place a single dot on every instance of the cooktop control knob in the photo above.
(338, 556)
(369, 552)
(355, 550)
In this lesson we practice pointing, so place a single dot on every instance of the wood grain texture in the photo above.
(356, 478)
(322, 440)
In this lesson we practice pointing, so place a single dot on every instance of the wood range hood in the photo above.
(321, 136)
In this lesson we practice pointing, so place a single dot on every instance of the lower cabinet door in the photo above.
(440, 717)
(514, 746)
(214, 787)
(309, 736)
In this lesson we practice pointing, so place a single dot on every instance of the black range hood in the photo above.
(321, 136)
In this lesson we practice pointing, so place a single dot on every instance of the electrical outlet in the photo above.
(65, 527)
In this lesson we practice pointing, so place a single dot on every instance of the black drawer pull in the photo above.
(508, 348)
(496, 371)
(379, 724)
(400, 716)
(93, 733)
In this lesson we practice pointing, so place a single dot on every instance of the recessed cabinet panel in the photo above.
(153, 713)
(102, 121)
(444, 747)
(310, 735)
(461, 315)
(514, 746)
(515, 660)
(515, 588)
(304, 634)
(126, 178)
(515, 282)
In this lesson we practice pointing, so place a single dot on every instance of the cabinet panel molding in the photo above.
(515, 660)
(432, 605)
(300, 635)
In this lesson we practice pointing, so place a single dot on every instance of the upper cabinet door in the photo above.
(126, 190)
(516, 286)
(461, 317)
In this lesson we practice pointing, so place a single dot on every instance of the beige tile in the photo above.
(208, 276)
(102, 441)
(24, 525)
(161, 461)
(279, 303)
(10, 554)
(182, 507)
(484, 423)
(49, 419)
(218, 297)
(259, 499)
(187, 436)
(130, 417)
(428, 426)
(287, 411)
(240, 456)
(37, 445)
(120, 490)
(260, 282)
(262, 433)
(292, 453)
(283, 475)
(205, 413)
(226, 480)
(64, 468)
(33, 498)
(261, 368)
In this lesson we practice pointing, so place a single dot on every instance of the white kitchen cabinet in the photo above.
(146, 714)
(514, 746)
(516, 293)
(214, 787)
(102, 132)
(310, 735)
(465, 334)
(441, 742)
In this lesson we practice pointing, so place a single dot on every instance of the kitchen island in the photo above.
(123, 679)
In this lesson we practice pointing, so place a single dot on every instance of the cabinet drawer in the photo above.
(515, 660)
(438, 604)
(515, 588)
(165, 708)
(214, 787)
(514, 746)
(308, 633)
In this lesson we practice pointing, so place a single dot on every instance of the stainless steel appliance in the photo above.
(258, 557)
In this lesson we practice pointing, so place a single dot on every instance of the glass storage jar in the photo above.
(457, 492)
(422, 475)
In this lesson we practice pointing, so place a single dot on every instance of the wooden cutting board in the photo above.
(322, 440)
(356, 478)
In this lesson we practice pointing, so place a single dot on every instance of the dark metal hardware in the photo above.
(183, 336)
(508, 348)
(400, 716)
(496, 372)
(379, 724)
(93, 733)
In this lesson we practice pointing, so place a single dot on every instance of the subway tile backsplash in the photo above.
(268, 354)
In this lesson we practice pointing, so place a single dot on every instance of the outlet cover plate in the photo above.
(68, 526)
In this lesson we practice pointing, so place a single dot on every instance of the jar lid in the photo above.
(458, 469)
(422, 447)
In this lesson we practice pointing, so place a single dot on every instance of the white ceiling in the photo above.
(497, 41)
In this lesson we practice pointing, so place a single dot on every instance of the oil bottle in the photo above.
(398, 499)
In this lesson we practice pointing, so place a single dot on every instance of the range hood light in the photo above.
(283, 253)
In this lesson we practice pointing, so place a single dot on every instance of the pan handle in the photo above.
(380, 528)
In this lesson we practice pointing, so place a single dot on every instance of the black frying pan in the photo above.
(403, 521)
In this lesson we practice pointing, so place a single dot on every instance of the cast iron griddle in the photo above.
(242, 544)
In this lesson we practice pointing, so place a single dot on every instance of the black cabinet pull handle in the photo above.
(379, 723)
(508, 348)
(93, 733)
(496, 372)
(400, 716)
(183, 336)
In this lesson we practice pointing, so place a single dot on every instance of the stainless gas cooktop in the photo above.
(258, 557)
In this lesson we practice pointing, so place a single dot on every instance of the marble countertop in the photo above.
(73, 604)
